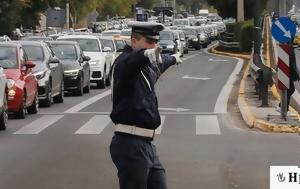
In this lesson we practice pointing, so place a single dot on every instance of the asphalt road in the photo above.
(200, 144)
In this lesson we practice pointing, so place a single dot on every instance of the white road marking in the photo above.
(192, 56)
(38, 125)
(221, 103)
(207, 125)
(196, 78)
(158, 130)
(95, 125)
(88, 102)
(217, 60)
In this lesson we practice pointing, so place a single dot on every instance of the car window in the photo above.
(8, 57)
(166, 35)
(120, 44)
(176, 35)
(34, 53)
(108, 43)
(89, 45)
(65, 52)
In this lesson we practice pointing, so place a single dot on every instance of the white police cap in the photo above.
(149, 30)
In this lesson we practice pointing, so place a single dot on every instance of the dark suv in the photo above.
(167, 42)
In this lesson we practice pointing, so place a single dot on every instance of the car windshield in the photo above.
(64, 52)
(108, 43)
(181, 23)
(126, 32)
(190, 31)
(166, 36)
(89, 45)
(8, 57)
(34, 53)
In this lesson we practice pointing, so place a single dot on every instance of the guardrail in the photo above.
(227, 40)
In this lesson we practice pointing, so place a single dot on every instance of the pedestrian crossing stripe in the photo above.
(205, 125)
(95, 125)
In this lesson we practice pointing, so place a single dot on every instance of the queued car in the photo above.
(36, 38)
(167, 42)
(3, 100)
(22, 85)
(75, 64)
(109, 45)
(48, 70)
(92, 47)
(193, 37)
(4, 38)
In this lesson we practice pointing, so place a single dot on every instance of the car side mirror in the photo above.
(29, 64)
(54, 60)
(86, 58)
(107, 49)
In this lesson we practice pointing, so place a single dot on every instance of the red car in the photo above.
(22, 86)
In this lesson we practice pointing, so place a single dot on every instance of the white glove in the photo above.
(153, 55)
(178, 59)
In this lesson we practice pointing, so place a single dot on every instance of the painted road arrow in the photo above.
(174, 109)
(196, 78)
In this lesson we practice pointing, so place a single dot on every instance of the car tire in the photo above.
(79, 91)
(102, 82)
(4, 115)
(47, 102)
(87, 88)
(22, 111)
(60, 98)
(198, 47)
(108, 80)
(34, 108)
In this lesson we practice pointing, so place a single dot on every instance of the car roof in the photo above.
(31, 43)
(9, 44)
(78, 37)
(61, 42)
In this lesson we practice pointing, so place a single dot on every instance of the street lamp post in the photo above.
(240, 10)
(67, 14)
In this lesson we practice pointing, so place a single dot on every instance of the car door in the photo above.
(85, 67)
(28, 77)
(54, 67)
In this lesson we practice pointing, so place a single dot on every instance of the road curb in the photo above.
(247, 115)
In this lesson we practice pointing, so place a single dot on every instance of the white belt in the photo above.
(134, 130)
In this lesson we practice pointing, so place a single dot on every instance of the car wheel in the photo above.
(87, 88)
(79, 91)
(101, 83)
(108, 80)
(22, 111)
(60, 98)
(47, 102)
(4, 115)
(34, 108)
(198, 47)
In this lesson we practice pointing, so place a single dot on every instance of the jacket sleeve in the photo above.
(167, 61)
(134, 61)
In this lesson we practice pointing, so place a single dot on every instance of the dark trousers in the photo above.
(137, 163)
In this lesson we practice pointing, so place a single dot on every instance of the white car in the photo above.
(99, 65)
(3, 100)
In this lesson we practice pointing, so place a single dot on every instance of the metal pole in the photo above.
(67, 14)
(283, 104)
(240, 10)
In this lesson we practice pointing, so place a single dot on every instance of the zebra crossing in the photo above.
(95, 125)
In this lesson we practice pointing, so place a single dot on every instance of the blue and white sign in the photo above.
(283, 30)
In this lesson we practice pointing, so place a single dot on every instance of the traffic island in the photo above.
(256, 116)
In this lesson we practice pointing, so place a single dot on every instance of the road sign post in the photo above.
(283, 30)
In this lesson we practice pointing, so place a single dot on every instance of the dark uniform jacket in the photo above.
(133, 93)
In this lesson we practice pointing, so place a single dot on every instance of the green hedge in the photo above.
(243, 32)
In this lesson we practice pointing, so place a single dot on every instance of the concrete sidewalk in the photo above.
(264, 118)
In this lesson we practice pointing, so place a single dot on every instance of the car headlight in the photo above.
(170, 46)
(71, 72)
(195, 39)
(10, 83)
(40, 75)
(202, 37)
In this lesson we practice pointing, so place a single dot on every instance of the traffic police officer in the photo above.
(135, 109)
